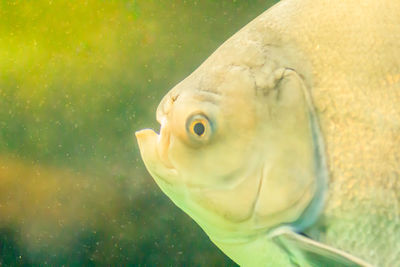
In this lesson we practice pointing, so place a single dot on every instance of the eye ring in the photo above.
(199, 127)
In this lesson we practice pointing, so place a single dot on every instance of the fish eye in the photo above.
(198, 127)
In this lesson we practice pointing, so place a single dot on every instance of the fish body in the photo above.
(292, 125)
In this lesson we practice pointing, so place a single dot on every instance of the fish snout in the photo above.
(152, 149)
(147, 139)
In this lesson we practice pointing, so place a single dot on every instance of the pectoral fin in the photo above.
(304, 251)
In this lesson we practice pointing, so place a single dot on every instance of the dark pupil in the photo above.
(198, 128)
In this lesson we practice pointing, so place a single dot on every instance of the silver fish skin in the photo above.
(292, 125)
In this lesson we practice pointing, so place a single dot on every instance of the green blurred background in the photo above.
(77, 78)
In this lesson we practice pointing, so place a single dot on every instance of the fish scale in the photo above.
(349, 98)
(362, 146)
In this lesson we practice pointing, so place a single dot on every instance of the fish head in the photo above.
(229, 152)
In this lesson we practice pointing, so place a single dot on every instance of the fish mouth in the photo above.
(153, 157)
(163, 144)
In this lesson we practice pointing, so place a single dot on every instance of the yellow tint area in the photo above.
(77, 79)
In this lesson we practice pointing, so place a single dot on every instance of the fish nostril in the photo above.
(174, 98)
(165, 106)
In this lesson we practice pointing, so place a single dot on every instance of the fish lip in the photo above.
(148, 142)
(163, 144)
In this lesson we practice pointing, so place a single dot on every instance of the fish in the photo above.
(284, 144)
